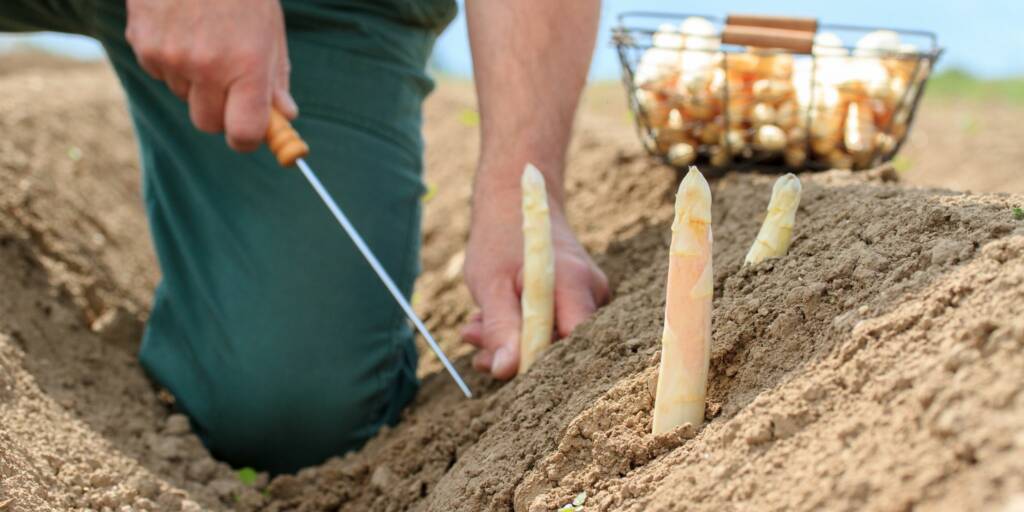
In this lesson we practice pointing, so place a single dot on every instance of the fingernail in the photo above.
(502, 361)
(290, 104)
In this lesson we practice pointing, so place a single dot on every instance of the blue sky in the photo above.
(983, 37)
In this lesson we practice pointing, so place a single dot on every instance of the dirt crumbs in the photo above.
(877, 366)
(871, 368)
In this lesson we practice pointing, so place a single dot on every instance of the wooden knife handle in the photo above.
(286, 143)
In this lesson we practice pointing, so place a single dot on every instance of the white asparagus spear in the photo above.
(681, 154)
(777, 230)
(770, 138)
(859, 133)
(660, 63)
(686, 339)
(538, 299)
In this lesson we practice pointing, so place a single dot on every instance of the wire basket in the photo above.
(766, 91)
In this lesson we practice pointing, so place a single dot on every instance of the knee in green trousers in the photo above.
(268, 327)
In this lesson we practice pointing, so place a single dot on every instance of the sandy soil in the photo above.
(876, 367)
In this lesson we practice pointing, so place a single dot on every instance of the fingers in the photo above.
(286, 104)
(178, 85)
(228, 59)
(147, 53)
(473, 331)
(247, 113)
(574, 303)
(599, 286)
(501, 319)
(206, 107)
(506, 361)
(580, 288)
(483, 360)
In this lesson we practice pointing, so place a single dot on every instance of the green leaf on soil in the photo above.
(430, 193)
(1018, 213)
(247, 475)
(580, 499)
(469, 117)
(74, 153)
(970, 125)
(576, 505)
(901, 163)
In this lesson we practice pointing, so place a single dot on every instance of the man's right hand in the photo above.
(227, 58)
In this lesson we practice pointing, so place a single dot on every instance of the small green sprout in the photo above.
(576, 505)
(247, 476)
(74, 153)
(580, 499)
(429, 193)
(1018, 213)
(901, 164)
(970, 125)
(469, 117)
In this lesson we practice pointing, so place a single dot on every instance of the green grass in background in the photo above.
(957, 84)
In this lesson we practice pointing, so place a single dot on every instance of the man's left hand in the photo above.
(493, 270)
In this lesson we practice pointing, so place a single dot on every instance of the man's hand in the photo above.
(493, 270)
(227, 58)
(530, 59)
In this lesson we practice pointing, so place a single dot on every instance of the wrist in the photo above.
(498, 181)
(499, 203)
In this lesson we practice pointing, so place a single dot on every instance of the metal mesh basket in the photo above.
(763, 91)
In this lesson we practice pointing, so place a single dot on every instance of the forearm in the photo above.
(531, 59)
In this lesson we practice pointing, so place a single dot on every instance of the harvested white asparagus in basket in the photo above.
(681, 154)
(538, 299)
(851, 108)
(859, 133)
(660, 63)
(686, 339)
(777, 230)
(770, 138)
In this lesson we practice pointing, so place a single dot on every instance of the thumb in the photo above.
(286, 104)
(501, 323)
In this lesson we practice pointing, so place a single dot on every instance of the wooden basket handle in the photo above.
(793, 34)
(783, 22)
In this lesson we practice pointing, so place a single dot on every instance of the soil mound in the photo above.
(875, 367)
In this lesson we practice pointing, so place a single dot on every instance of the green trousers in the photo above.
(268, 327)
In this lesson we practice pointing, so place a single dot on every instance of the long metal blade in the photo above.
(381, 273)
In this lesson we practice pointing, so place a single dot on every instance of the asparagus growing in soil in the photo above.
(686, 339)
(538, 299)
(777, 230)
